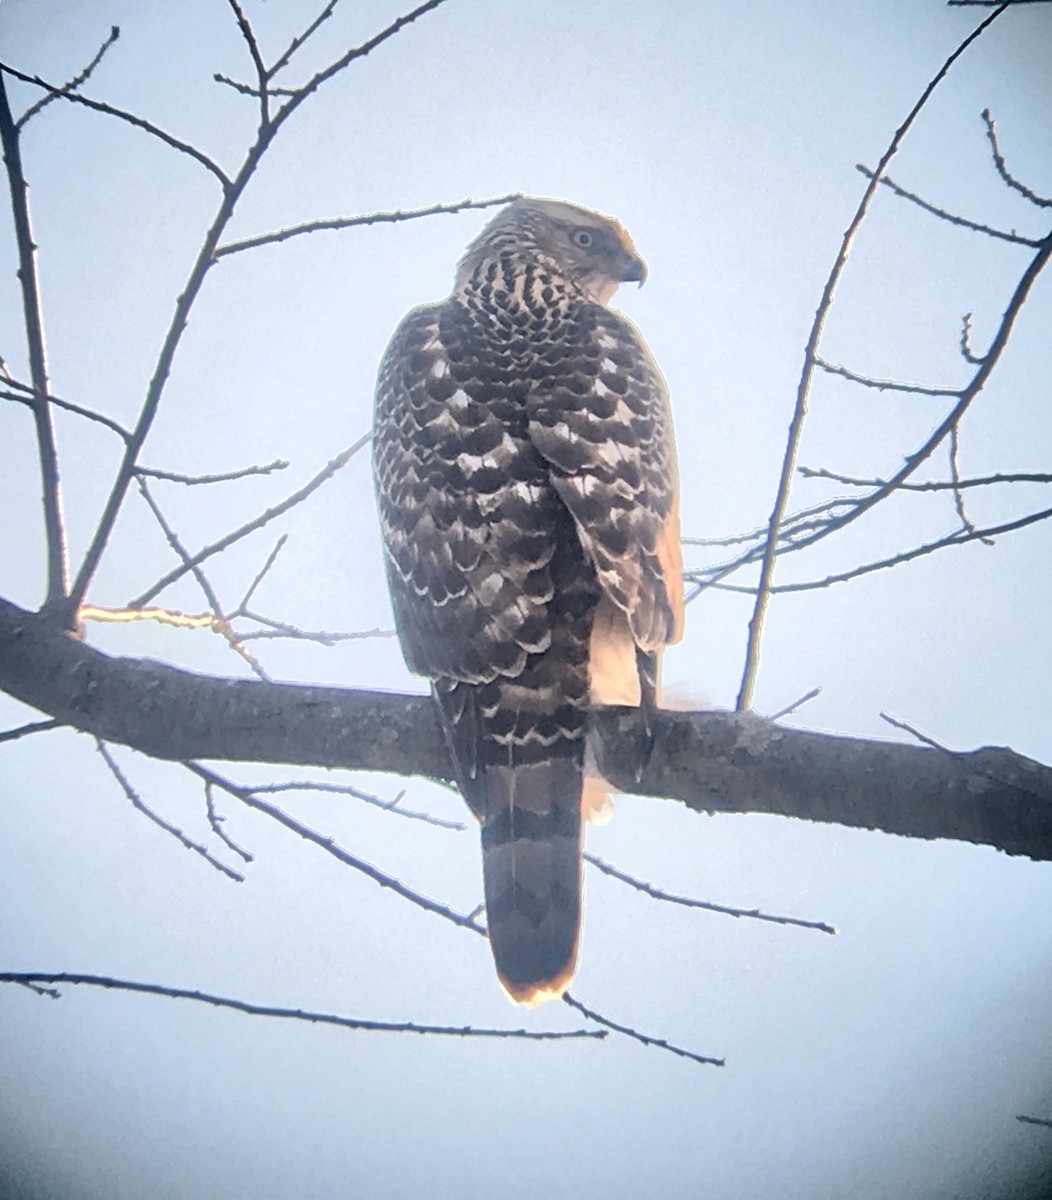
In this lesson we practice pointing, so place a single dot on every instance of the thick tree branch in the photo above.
(711, 761)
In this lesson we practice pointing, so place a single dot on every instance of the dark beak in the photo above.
(633, 270)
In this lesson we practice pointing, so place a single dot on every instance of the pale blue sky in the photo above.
(890, 1060)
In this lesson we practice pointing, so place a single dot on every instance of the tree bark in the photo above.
(710, 761)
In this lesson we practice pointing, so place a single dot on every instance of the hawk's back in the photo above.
(524, 470)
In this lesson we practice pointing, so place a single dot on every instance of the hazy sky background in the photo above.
(890, 1060)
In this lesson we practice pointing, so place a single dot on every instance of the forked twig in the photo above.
(130, 118)
(297, 497)
(81, 77)
(763, 595)
(138, 803)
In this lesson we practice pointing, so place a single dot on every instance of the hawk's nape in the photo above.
(526, 479)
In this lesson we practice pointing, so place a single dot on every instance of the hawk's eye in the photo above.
(583, 238)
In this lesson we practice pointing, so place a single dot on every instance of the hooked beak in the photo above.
(633, 270)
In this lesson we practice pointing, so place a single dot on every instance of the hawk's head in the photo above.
(589, 249)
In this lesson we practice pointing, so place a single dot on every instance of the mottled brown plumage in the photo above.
(526, 479)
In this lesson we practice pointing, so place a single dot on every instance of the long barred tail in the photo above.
(520, 767)
(531, 863)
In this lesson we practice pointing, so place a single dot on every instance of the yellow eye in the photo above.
(583, 238)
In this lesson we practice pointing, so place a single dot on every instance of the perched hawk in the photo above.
(526, 477)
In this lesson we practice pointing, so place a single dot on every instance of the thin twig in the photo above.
(966, 342)
(377, 218)
(906, 727)
(346, 789)
(882, 385)
(31, 978)
(74, 83)
(335, 67)
(246, 89)
(1033, 1120)
(752, 658)
(279, 464)
(654, 893)
(637, 1036)
(28, 397)
(284, 58)
(943, 215)
(222, 624)
(931, 485)
(232, 191)
(958, 492)
(280, 630)
(326, 473)
(248, 797)
(271, 559)
(216, 820)
(139, 804)
(139, 122)
(958, 538)
(806, 698)
(1002, 166)
(12, 735)
(913, 461)
(257, 60)
(54, 529)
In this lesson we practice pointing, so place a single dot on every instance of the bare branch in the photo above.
(931, 485)
(55, 534)
(687, 902)
(217, 821)
(271, 559)
(249, 797)
(346, 789)
(1032, 1120)
(297, 497)
(279, 464)
(958, 491)
(257, 60)
(28, 397)
(710, 761)
(966, 341)
(284, 58)
(334, 68)
(378, 218)
(957, 538)
(912, 461)
(221, 623)
(74, 83)
(752, 657)
(131, 119)
(637, 1036)
(32, 978)
(139, 804)
(247, 90)
(882, 385)
(1002, 166)
(13, 735)
(806, 698)
(944, 215)
(279, 630)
